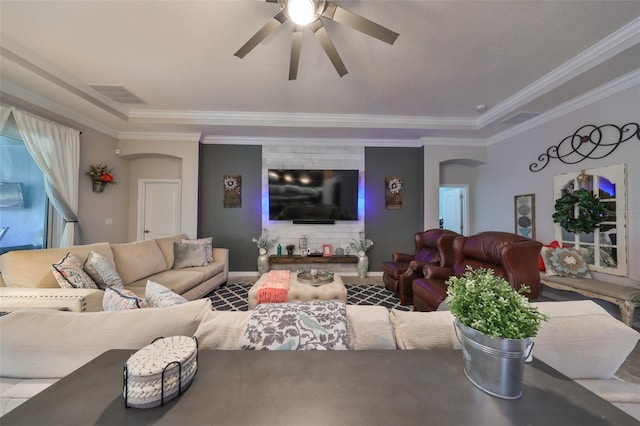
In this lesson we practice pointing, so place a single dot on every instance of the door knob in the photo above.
(146, 231)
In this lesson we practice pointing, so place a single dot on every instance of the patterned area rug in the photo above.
(233, 297)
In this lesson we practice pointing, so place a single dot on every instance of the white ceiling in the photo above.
(451, 55)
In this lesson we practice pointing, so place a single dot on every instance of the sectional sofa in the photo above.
(40, 346)
(26, 278)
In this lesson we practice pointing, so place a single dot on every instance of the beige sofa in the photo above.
(40, 346)
(26, 279)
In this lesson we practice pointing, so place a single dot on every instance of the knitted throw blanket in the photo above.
(274, 288)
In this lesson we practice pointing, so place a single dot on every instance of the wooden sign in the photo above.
(393, 192)
(232, 191)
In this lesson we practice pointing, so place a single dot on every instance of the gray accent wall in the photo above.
(392, 230)
(232, 228)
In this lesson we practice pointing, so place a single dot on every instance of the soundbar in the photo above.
(314, 222)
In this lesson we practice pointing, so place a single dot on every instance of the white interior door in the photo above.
(453, 208)
(159, 208)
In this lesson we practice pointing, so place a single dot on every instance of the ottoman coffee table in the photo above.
(303, 292)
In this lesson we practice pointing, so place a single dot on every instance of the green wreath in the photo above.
(591, 212)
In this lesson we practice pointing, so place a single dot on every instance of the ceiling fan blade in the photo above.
(296, 44)
(321, 32)
(262, 33)
(336, 13)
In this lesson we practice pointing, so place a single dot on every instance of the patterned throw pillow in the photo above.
(206, 242)
(564, 262)
(158, 296)
(117, 299)
(314, 325)
(70, 274)
(188, 255)
(102, 270)
(553, 244)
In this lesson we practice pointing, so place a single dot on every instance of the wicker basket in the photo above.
(160, 371)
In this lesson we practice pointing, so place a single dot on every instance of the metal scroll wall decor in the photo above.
(589, 141)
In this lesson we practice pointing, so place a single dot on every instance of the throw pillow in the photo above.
(554, 244)
(188, 255)
(70, 274)
(117, 299)
(158, 296)
(564, 262)
(206, 242)
(314, 325)
(102, 270)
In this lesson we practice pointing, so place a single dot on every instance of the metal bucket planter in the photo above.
(494, 365)
(98, 186)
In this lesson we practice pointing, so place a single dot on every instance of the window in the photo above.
(606, 247)
(23, 201)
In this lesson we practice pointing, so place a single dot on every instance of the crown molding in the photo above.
(12, 51)
(272, 141)
(473, 142)
(615, 86)
(11, 89)
(230, 118)
(615, 43)
(160, 136)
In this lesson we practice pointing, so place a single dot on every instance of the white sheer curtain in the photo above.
(4, 115)
(56, 151)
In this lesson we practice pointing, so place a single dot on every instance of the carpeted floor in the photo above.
(233, 296)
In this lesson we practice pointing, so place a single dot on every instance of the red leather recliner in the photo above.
(399, 274)
(511, 256)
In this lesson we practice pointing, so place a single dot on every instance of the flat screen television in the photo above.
(313, 196)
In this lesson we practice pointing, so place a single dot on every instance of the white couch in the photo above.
(40, 346)
(26, 279)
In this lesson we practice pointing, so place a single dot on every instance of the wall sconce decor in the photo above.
(100, 176)
(589, 141)
(393, 192)
(232, 191)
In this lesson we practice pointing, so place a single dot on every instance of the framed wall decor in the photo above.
(393, 186)
(525, 215)
(232, 191)
(326, 249)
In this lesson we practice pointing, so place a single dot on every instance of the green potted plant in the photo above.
(496, 325)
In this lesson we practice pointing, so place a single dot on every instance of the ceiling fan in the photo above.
(309, 13)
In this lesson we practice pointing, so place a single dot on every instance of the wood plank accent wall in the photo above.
(312, 157)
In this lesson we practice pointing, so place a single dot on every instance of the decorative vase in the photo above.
(289, 251)
(363, 264)
(493, 364)
(98, 186)
(263, 262)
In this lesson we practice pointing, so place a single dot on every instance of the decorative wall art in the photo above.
(525, 215)
(100, 176)
(393, 192)
(232, 191)
(589, 141)
(326, 250)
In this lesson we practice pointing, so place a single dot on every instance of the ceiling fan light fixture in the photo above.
(302, 12)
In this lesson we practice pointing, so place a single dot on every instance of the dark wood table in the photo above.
(288, 260)
(320, 388)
